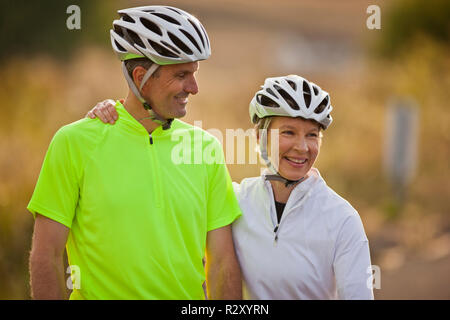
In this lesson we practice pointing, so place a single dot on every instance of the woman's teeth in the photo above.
(300, 161)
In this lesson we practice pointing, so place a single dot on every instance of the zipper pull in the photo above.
(276, 235)
(151, 139)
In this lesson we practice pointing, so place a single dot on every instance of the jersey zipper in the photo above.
(155, 168)
(276, 229)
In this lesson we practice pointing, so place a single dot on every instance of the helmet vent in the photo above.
(173, 10)
(118, 30)
(316, 90)
(291, 102)
(322, 105)
(171, 47)
(204, 32)
(161, 50)
(179, 43)
(198, 31)
(191, 38)
(119, 46)
(292, 84)
(135, 38)
(127, 18)
(306, 94)
(167, 18)
(266, 101)
(271, 92)
(151, 26)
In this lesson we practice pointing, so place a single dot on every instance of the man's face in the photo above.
(167, 92)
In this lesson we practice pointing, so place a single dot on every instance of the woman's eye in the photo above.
(288, 132)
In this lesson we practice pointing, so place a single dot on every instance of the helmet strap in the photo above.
(264, 154)
(287, 182)
(263, 146)
(148, 74)
(165, 123)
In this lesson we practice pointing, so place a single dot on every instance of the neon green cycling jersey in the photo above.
(138, 216)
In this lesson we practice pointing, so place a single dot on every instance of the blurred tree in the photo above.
(407, 19)
(28, 28)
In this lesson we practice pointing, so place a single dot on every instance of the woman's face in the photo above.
(299, 145)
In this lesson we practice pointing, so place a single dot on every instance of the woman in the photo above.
(297, 238)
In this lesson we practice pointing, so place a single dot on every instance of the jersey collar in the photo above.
(301, 188)
(129, 121)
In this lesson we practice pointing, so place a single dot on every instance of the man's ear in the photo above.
(138, 74)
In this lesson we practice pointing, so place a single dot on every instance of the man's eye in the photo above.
(313, 134)
(181, 75)
(288, 132)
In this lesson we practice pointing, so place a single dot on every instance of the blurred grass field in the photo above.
(410, 243)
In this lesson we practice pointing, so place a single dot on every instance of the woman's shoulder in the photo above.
(337, 213)
(334, 203)
(329, 201)
(246, 185)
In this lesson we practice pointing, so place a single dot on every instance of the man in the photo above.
(136, 224)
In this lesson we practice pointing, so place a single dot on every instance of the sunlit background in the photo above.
(51, 76)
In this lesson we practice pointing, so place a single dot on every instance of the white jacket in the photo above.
(321, 251)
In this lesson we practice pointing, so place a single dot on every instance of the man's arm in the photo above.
(46, 259)
(223, 275)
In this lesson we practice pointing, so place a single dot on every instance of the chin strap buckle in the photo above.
(165, 123)
(286, 182)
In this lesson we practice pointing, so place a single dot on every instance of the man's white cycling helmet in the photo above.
(163, 34)
(288, 96)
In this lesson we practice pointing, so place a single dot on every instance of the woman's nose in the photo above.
(301, 145)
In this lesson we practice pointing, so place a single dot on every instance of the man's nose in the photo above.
(191, 86)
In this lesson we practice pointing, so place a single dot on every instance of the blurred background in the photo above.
(51, 75)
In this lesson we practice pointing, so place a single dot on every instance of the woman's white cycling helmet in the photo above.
(165, 35)
(291, 96)
(288, 96)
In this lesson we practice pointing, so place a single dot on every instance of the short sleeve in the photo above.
(56, 193)
(237, 189)
(223, 207)
(352, 261)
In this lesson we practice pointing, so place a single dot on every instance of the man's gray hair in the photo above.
(133, 63)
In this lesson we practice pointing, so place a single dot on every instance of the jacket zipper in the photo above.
(277, 227)
(276, 234)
